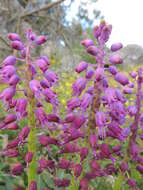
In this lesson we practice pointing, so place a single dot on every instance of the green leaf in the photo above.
(74, 184)
(135, 174)
(118, 182)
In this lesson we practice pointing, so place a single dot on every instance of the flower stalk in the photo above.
(32, 169)
(135, 125)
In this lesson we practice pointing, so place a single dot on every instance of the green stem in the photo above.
(32, 169)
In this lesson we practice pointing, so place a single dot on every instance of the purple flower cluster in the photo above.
(98, 120)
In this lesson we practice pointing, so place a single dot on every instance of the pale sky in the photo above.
(126, 17)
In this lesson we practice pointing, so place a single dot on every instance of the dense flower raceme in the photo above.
(77, 145)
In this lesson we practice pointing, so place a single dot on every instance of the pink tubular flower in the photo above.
(81, 67)
(43, 163)
(99, 73)
(94, 165)
(17, 45)
(93, 141)
(12, 144)
(64, 164)
(69, 118)
(28, 157)
(84, 183)
(85, 101)
(42, 64)
(30, 35)
(73, 103)
(12, 104)
(13, 37)
(14, 79)
(89, 73)
(113, 70)
(24, 133)
(11, 153)
(7, 94)
(93, 50)
(78, 121)
(45, 84)
(53, 118)
(78, 86)
(35, 87)
(33, 185)
(23, 53)
(100, 119)
(77, 170)
(127, 90)
(10, 60)
(41, 116)
(124, 167)
(87, 42)
(83, 153)
(8, 71)
(43, 140)
(69, 148)
(121, 78)
(116, 46)
(110, 95)
(21, 107)
(105, 151)
(132, 183)
(51, 76)
(133, 74)
(116, 59)
(12, 126)
(45, 58)
(40, 40)
(105, 33)
(62, 182)
(18, 188)
(10, 118)
(17, 169)
(118, 111)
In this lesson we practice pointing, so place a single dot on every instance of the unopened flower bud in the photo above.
(10, 118)
(17, 45)
(116, 46)
(14, 143)
(10, 60)
(40, 40)
(13, 37)
(53, 118)
(83, 153)
(17, 169)
(11, 153)
(64, 164)
(28, 157)
(132, 183)
(116, 59)
(43, 140)
(87, 42)
(24, 133)
(113, 70)
(12, 126)
(33, 185)
(84, 183)
(62, 182)
(81, 67)
(77, 170)
(14, 80)
(140, 169)
(121, 78)
(93, 50)
(124, 167)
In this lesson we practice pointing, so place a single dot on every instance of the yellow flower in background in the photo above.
(63, 101)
